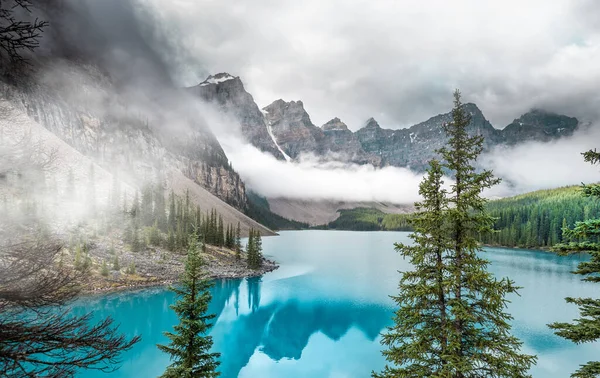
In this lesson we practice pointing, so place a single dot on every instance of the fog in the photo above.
(523, 168)
(311, 179)
(394, 61)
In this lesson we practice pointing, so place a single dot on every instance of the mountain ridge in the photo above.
(292, 132)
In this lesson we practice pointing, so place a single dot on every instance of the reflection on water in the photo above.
(321, 313)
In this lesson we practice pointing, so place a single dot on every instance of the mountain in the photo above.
(415, 146)
(17, 125)
(285, 128)
(125, 132)
(228, 93)
(539, 125)
(292, 128)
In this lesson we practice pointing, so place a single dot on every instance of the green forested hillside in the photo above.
(368, 219)
(259, 210)
(531, 220)
(536, 219)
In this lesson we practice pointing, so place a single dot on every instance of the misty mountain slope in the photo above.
(124, 130)
(181, 184)
(294, 133)
(17, 128)
(539, 125)
(15, 124)
(293, 129)
(415, 146)
(228, 93)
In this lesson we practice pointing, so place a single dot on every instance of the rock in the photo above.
(228, 93)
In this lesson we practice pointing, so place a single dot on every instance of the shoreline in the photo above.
(140, 283)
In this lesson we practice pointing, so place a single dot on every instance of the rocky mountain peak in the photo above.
(472, 108)
(292, 111)
(218, 78)
(540, 125)
(228, 93)
(371, 124)
(335, 124)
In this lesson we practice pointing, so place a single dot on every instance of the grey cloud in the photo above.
(397, 61)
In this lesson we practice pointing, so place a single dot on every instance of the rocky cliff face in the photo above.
(539, 125)
(415, 146)
(342, 143)
(292, 128)
(228, 93)
(285, 129)
(121, 137)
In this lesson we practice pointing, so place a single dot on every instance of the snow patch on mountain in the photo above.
(270, 131)
(216, 79)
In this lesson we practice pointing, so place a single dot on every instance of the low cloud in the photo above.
(523, 168)
(311, 179)
(532, 166)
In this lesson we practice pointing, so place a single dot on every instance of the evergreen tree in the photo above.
(220, 233)
(160, 215)
(451, 322)
(418, 342)
(172, 211)
(190, 346)
(104, 269)
(250, 249)
(254, 250)
(587, 328)
(116, 265)
(238, 243)
(146, 207)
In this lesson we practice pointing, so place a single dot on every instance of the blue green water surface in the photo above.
(321, 313)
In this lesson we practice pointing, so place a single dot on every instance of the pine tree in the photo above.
(160, 208)
(146, 207)
(220, 233)
(258, 248)
(587, 328)
(104, 269)
(238, 243)
(250, 249)
(116, 265)
(452, 321)
(190, 346)
(172, 211)
(254, 250)
(418, 340)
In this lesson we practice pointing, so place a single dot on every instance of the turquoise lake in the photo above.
(321, 313)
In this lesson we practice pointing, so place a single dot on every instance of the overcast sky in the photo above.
(397, 61)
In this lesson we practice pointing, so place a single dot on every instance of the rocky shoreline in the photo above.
(97, 286)
(155, 266)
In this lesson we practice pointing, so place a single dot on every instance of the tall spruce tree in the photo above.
(417, 342)
(238, 242)
(254, 250)
(190, 346)
(587, 239)
(452, 320)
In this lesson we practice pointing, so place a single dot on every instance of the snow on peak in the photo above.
(216, 79)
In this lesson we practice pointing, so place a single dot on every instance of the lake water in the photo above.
(321, 313)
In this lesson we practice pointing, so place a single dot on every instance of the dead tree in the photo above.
(18, 32)
(38, 334)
